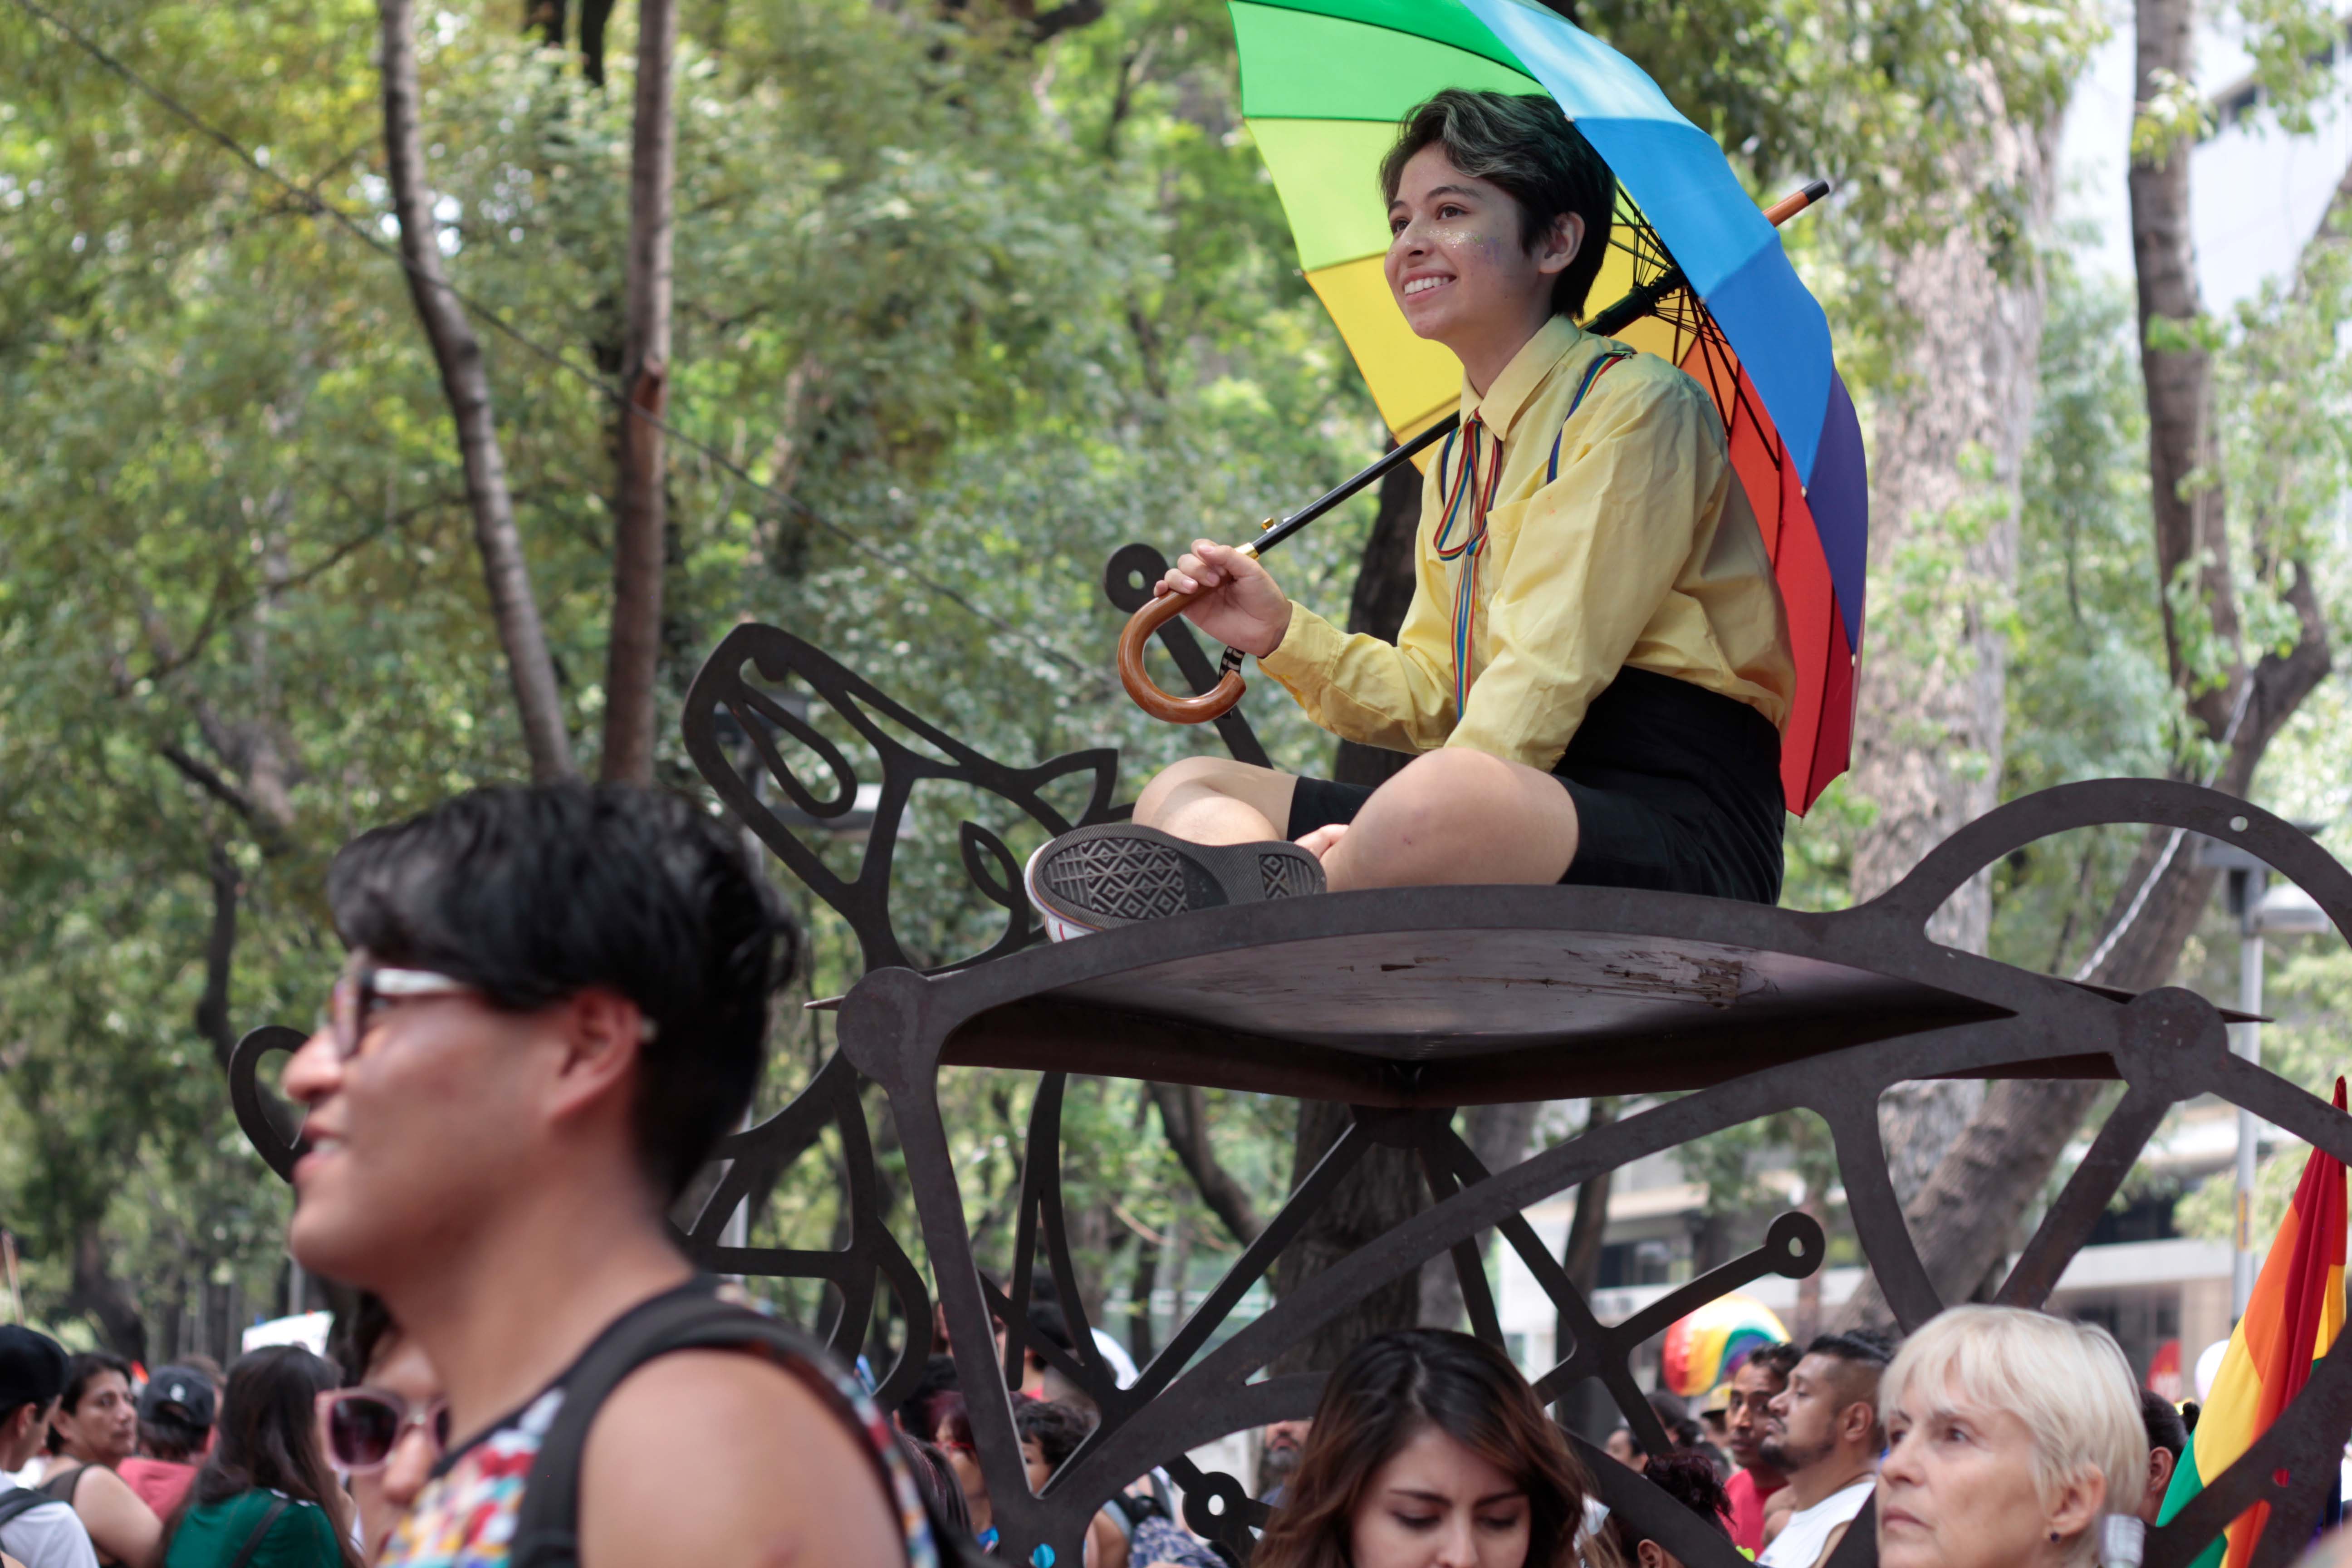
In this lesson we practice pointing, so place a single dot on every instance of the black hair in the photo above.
(1526, 145)
(170, 1434)
(1051, 1324)
(1056, 1429)
(918, 1413)
(1681, 1432)
(84, 1369)
(1632, 1440)
(2189, 1410)
(2166, 1430)
(533, 894)
(270, 1437)
(1691, 1480)
(1858, 1346)
(359, 1335)
(1780, 1360)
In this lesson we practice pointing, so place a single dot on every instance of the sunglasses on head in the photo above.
(364, 1425)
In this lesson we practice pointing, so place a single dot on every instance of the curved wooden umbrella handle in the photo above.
(1213, 703)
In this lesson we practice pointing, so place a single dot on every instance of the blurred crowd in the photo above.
(552, 1014)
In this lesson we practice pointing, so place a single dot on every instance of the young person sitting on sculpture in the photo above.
(1596, 665)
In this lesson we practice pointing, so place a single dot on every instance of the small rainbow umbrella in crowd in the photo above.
(1324, 83)
(1711, 1344)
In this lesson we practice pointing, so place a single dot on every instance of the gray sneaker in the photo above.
(1118, 874)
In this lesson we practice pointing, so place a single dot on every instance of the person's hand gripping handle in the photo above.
(1223, 591)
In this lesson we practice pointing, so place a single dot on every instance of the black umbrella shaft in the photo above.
(1636, 303)
(1297, 519)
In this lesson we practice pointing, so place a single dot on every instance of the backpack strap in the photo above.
(260, 1532)
(547, 1518)
(24, 1500)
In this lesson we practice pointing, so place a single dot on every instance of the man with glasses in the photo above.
(554, 1007)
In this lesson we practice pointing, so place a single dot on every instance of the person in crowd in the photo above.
(1822, 1432)
(2010, 1433)
(176, 1426)
(2167, 1435)
(94, 1428)
(1689, 1478)
(1428, 1447)
(40, 1532)
(1683, 1433)
(389, 1427)
(554, 1007)
(1758, 1381)
(954, 1439)
(1627, 1449)
(265, 1497)
(1050, 1434)
(936, 1480)
(918, 1415)
(1277, 1458)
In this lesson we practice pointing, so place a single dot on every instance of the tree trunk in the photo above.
(633, 651)
(1498, 1135)
(1383, 593)
(466, 382)
(1385, 1189)
(1931, 722)
(95, 1290)
(1968, 1215)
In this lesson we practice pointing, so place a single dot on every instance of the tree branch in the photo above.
(1183, 1115)
(466, 382)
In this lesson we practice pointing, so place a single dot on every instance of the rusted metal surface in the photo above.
(1408, 1003)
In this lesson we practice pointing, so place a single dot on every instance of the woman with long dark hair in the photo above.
(1429, 1448)
(266, 1498)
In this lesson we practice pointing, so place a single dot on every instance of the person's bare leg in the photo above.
(1454, 816)
(1215, 800)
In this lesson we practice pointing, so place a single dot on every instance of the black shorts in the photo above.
(1678, 789)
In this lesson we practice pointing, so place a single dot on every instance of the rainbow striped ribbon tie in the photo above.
(1462, 531)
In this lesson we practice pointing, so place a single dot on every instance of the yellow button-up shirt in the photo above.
(1644, 552)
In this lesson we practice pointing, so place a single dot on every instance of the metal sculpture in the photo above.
(1407, 1005)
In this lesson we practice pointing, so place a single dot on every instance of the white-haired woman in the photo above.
(2011, 1433)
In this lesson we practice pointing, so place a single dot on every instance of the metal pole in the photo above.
(2248, 1044)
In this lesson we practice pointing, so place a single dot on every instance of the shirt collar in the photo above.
(1528, 370)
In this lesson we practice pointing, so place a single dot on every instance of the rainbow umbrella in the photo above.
(1324, 83)
(1712, 1343)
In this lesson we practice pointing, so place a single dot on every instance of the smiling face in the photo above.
(411, 1137)
(1437, 1504)
(1460, 268)
(1957, 1489)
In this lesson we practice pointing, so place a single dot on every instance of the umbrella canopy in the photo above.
(1324, 83)
(1711, 1344)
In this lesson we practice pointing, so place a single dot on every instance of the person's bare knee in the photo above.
(1215, 800)
(1456, 815)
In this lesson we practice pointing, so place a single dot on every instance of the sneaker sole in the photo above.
(1118, 874)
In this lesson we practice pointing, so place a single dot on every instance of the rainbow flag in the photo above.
(2291, 1322)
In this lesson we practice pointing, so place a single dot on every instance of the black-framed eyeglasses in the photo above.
(364, 1425)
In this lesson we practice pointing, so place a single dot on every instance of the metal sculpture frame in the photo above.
(1023, 1006)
